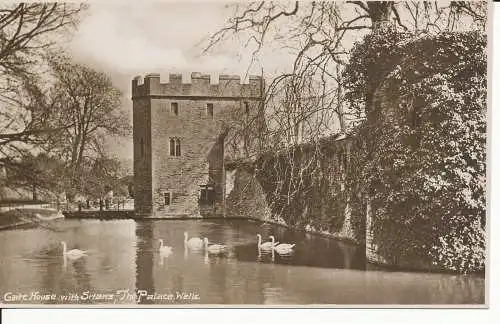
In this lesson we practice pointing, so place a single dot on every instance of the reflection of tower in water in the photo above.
(144, 260)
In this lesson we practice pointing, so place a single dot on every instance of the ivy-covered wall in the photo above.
(306, 187)
(424, 167)
(409, 182)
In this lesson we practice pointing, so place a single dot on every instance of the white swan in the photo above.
(214, 248)
(72, 254)
(266, 246)
(165, 250)
(283, 248)
(194, 243)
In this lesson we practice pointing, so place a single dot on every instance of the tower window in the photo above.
(167, 198)
(210, 110)
(174, 108)
(175, 147)
(247, 107)
(142, 147)
(172, 147)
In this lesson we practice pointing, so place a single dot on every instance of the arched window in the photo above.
(175, 146)
(172, 147)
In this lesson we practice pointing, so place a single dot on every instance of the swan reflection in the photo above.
(262, 253)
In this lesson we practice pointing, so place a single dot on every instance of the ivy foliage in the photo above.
(423, 161)
(305, 185)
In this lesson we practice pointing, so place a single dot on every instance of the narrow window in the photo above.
(167, 197)
(142, 147)
(174, 108)
(172, 147)
(177, 147)
(247, 108)
(210, 110)
(203, 194)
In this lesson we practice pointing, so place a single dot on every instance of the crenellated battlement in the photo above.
(229, 86)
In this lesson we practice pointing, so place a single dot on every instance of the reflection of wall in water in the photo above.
(349, 253)
(245, 283)
(144, 259)
(217, 277)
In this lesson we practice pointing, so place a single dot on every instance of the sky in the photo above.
(125, 39)
(129, 38)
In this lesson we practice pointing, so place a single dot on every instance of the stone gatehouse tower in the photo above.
(179, 131)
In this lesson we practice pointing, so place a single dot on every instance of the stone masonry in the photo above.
(180, 131)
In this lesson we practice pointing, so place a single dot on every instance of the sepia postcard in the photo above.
(244, 154)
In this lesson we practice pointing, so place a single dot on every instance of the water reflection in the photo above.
(124, 256)
(262, 254)
(144, 260)
(32, 261)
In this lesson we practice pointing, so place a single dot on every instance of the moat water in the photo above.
(123, 266)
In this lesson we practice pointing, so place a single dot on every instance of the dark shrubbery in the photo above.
(425, 165)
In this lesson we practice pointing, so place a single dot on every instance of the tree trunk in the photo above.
(380, 13)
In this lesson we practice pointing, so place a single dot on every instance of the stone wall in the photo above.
(246, 198)
(202, 132)
(304, 187)
(142, 156)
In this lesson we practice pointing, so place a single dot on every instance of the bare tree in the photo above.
(102, 177)
(41, 174)
(24, 28)
(29, 115)
(306, 103)
(92, 105)
(27, 110)
(320, 34)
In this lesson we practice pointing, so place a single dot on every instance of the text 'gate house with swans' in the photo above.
(181, 135)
